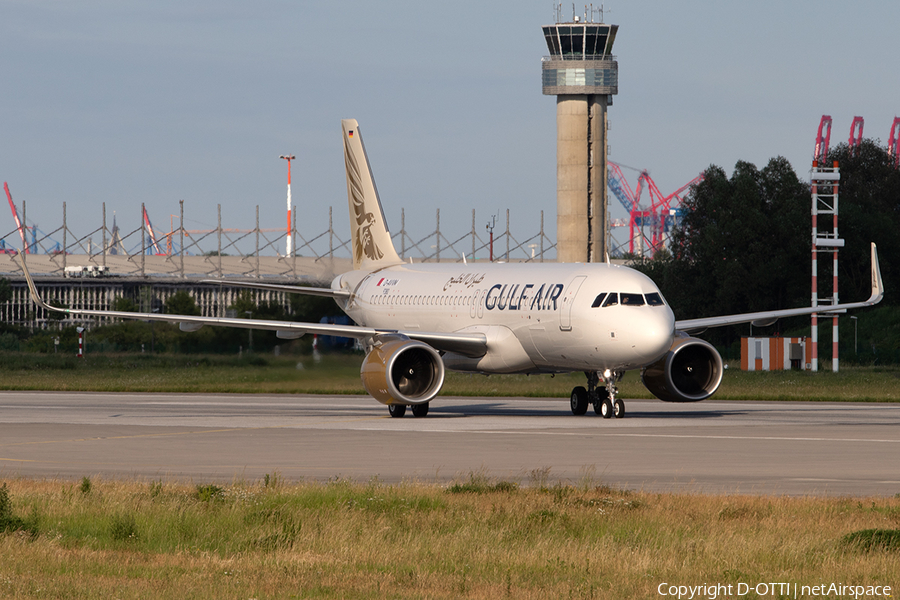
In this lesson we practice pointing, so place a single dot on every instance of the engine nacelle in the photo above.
(689, 372)
(402, 371)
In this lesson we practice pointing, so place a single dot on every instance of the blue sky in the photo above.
(130, 102)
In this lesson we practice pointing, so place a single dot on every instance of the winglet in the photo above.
(877, 283)
(33, 289)
(770, 316)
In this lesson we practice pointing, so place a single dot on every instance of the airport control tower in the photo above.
(583, 75)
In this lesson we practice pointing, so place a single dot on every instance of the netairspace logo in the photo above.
(720, 591)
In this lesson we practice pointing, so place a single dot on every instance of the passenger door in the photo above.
(565, 309)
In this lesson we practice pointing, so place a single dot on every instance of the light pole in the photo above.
(289, 246)
(250, 342)
(153, 334)
(490, 228)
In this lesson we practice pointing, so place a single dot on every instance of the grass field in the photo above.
(339, 374)
(473, 539)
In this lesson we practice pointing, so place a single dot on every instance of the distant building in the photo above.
(774, 354)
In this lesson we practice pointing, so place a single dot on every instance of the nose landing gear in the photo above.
(604, 398)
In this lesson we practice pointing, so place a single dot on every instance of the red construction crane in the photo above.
(894, 143)
(822, 139)
(656, 200)
(15, 214)
(671, 205)
(665, 209)
(630, 199)
(663, 212)
(856, 135)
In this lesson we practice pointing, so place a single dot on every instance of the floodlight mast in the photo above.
(289, 246)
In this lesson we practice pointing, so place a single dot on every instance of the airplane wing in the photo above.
(275, 287)
(765, 318)
(468, 344)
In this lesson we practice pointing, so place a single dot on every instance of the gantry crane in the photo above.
(663, 214)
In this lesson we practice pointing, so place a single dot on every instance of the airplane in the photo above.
(417, 320)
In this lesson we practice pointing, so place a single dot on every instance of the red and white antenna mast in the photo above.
(824, 184)
(289, 246)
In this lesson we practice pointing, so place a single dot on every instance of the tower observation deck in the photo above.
(583, 75)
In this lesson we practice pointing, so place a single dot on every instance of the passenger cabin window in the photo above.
(632, 300)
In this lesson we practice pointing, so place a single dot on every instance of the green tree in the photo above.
(181, 303)
(147, 300)
(123, 304)
(742, 242)
(129, 335)
(310, 309)
(244, 303)
(869, 204)
(741, 246)
(56, 315)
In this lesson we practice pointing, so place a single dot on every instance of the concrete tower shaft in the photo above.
(583, 74)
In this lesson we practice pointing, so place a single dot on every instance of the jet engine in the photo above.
(402, 371)
(689, 372)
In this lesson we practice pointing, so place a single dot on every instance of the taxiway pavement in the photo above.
(710, 447)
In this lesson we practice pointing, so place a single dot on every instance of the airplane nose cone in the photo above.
(654, 336)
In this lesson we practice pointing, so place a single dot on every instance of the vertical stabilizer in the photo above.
(372, 245)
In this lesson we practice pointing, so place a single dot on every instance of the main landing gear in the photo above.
(603, 397)
(398, 410)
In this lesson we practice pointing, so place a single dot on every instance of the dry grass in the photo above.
(476, 539)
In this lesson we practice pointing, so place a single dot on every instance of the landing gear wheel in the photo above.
(420, 410)
(397, 410)
(606, 408)
(599, 397)
(579, 401)
(619, 409)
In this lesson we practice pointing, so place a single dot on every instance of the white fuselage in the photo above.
(536, 317)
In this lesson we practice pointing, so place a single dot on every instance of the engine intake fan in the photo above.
(689, 372)
(403, 371)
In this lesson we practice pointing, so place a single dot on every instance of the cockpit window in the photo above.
(627, 299)
(632, 300)
(655, 299)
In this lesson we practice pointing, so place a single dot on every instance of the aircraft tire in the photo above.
(420, 410)
(397, 410)
(579, 401)
(619, 408)
(606, 408)
(598, 400)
